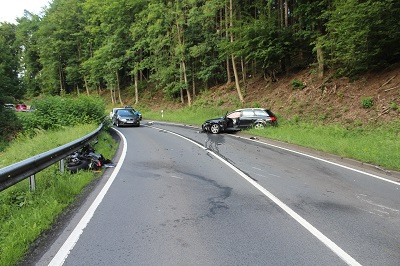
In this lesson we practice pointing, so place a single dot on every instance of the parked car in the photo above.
(9, 106)
(241, 119)
(125, 117)
(21, 107)
(126, 107)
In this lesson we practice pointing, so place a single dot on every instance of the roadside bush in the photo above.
(55, 112)
(297, 84)
(367, 102)
(9, 125)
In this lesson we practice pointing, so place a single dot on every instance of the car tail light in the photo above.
(273, 118)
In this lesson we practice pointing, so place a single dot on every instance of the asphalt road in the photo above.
(182, 197)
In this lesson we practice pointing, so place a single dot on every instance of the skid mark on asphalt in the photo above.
(378, 209)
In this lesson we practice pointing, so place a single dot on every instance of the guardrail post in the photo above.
(32, 183)
(62, 165)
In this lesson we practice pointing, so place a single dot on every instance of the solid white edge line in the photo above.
(73, 238)
(329, 162)
(314, 231)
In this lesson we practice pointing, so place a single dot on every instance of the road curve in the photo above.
(182, 197)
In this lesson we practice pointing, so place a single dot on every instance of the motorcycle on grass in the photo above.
(85, 159)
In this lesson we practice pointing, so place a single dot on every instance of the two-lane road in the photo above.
(182, 197)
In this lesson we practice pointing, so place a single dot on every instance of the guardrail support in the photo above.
(62, 165)
(32, 183)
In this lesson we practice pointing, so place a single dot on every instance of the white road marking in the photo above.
(73, 238)
(380, 208)
(326, 161)
(269, 174)
(314, 231)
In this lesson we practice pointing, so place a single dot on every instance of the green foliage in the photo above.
(393, 106)
(297, 84)
(93, 44)
(360, 35)
(367, 102)
(9, 124)
(56, 112)
(9, 63)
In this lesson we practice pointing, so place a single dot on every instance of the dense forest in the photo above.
(183, 47)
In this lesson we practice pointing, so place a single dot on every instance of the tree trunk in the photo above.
(61, 83)
(286, 14)
(320, 58)
(86, 86)
(118, 89)
(228, 68)
(186, 83)
(180, 82)
(193, 81)
(112, 95)
(244, 71)
(181, 42)
(136, 87)
(239, 91)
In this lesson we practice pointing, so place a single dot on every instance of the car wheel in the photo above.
(118, 123)
(259, 125)
(215, 128)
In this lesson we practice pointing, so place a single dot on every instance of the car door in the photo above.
(233, 119)
(246, 118)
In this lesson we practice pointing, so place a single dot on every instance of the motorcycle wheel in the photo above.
(82, 165)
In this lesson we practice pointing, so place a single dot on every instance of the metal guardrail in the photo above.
(17, 172)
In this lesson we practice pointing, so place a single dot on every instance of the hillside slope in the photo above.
(330, 100)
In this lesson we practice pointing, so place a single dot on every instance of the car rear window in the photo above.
(261, 113)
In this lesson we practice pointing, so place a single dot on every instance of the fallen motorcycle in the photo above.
(85, 159)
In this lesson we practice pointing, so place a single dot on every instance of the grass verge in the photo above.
(25, 214)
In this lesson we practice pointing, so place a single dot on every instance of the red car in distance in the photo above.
(21, 107)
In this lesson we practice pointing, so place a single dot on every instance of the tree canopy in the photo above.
(182, 47)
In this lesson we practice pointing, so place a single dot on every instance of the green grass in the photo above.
(24, 215)
(188, 115)
(377, 144)
(25, 147)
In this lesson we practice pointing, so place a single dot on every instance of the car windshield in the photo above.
(125, 112)
(235, 114)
